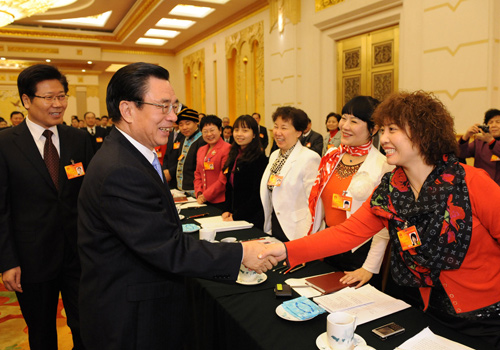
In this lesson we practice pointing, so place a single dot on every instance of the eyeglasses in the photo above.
(51, 99)
(165, 108)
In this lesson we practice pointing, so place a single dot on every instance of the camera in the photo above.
(484, 128)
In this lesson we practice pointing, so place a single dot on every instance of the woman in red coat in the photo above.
(209, 181)
(450, 207)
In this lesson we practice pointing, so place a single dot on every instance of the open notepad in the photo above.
(426, 340)
(216, 223)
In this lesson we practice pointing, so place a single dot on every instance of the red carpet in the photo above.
(13, 329)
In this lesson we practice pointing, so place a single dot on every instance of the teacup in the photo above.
(207, 234)
(247, 275)
(340, 327)
(229, 240)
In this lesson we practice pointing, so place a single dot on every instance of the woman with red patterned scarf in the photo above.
(449, 206)
(346, 178)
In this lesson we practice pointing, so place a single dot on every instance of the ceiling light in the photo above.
(175, 23)
(3, 58)
(191, 11)
(151, 41)
(89, 62)
(95, 21)
(83, 70)
(48, 60)
(162, 33)
(13, 10)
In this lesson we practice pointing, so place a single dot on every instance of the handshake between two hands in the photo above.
(262, 257)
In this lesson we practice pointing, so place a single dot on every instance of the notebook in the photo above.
(328, 283)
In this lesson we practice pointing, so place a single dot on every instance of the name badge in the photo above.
(74, 170)
(98, 139)
(208, 165)
(261, 136)
(180, 157)
(330, 146)
(494, 158)
(226, 171)
(408, 238)
(308, 145)
(341, 201)
(177, 145)
(275, 180)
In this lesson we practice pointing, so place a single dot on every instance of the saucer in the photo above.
(181, 217)
(260, 279)
(190, 228)
(322, 341)
(281, 312)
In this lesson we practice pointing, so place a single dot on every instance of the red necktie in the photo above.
(51, 157)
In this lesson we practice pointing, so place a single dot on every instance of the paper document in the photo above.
(216, 223)
(366, 302)
(426, 340)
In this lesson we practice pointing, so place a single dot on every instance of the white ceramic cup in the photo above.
(207, 234)
(247, 275)
(229, 240)
(340, 327)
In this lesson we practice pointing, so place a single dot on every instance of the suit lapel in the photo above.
(27, 146)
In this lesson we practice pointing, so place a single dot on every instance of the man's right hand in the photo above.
(12, 279)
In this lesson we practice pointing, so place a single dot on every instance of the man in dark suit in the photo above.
(264, 138)
(96, 132)
(39, 187)
(134, 254)
(311, 139)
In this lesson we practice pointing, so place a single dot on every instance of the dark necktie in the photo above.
(51, 157)
(92, 132)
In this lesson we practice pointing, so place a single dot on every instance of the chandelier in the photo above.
(12, 10)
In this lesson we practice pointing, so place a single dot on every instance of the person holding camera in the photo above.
(485, 148)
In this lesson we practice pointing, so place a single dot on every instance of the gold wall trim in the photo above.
(459, 91)
(447, 4)
(32, 34)
(323, 4)
(281, 80)
(31, 49)
(138, 52)
(281, 54)
(289, 8)
(252, 33)
(460, 46)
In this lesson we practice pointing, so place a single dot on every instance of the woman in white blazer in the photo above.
(288, 178)
(346, 178)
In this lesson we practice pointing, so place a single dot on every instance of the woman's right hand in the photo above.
(227, 216)
(474, 129)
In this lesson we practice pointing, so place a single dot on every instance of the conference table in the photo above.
(239, 317)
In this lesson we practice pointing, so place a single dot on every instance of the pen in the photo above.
(294, 269)
(198, 215)
(282, 267)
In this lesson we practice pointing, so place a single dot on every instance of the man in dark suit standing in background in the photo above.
(132, 248)
(264, 138)
(96, 132)
(310, 138)
(39, 186)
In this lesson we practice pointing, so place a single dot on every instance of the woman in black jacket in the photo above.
(244, 168)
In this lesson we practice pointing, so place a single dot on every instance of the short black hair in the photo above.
(31, 76)
(362, 107)
(490, 113)
(16, 112)
(211, 119)
(130, 83)
(296, 116)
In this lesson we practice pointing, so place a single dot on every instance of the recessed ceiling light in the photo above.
(3, 58)
(222, 2)
(175, 23)
(83, 70)
(89, 62)
(48, 60)
(151, 41)
(95, 21)
(191, 11)
(162, 33)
